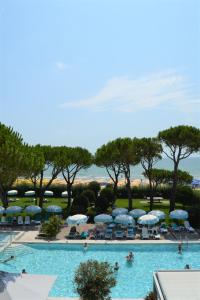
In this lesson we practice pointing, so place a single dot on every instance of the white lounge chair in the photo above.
(119, 234)
(108, 234)
(27, 220)
(20, 220)
(130, 234)
(145, 233)
(188, 227)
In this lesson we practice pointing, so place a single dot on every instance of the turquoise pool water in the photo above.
(133, 281)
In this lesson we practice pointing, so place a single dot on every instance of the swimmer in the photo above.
(116, 266)
(130, 257)
(8, 259)
(85, 246)
(187, 267)
(180, 248)
(24, 271)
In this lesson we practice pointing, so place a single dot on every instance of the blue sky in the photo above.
(83, 72)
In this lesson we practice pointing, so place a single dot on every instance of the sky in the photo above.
(84, 72)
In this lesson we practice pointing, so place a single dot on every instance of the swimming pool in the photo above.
(132, 281)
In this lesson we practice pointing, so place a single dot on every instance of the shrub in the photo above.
(80, 204)
(90, 195)
(93, 280)
(185, 195)
(52, 228)
(77, 189)
(105, 200)
(95, 187)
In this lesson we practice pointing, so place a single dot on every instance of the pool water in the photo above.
(133, 281)
(6, 237)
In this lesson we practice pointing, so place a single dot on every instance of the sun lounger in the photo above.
(108, 234)
(3, 221)
(130, 234)
(157, 237)
(163, 228)
(119, 234)
(188, 227)
(145, 234)
(83, 235)
(20, 220)
(41, 235)
(27, 220)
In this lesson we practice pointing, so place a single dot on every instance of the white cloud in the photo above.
(61, 66)
(168, 89)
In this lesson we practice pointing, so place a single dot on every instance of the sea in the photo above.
(191, 165)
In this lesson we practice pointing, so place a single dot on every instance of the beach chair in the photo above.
(145, 233)
(27, 220)
(130, 234)
(20, 220)
(163, 228)
(119, 234)
(3, 220)
(188, 227)
(108, 234)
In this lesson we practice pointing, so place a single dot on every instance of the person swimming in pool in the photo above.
(130, 257)
(8, 259)
(116, 267)
(180, 248)
(85, 246)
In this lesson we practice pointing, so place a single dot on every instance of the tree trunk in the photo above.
(3, 196)
(69, 196)
(174, 186)
(115, 189)
(151, 194)
(128, 188)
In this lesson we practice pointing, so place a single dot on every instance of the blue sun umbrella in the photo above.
(158, 213)
(54, 209)
(119, 211)
(124, 220)
(13, 209)
(179, 214)
(136, 213)
(33, 209)
(2, 210)
(103, 218)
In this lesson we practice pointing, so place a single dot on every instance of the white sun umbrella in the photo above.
(158, 213)
(64, 194)
(124, 220)
(29, 193)
(2, 210)
(48, 193)
(13, 209)
(103, 218)
(136, 213)
(33, 209)
(179, 214)
(119, 211)
(12, 193)
(77, 219)
(54, 209)
(148, 220)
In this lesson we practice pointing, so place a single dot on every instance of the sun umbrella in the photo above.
(77, 219)
(2, 210)
(54, 209)
(119, 211)
(48, 193)
(13, 209)
(136, 213)
(64, 194)
(179, 214)
(33, 209)
(148, 220)
(12, 193)
(29, 193)
(124, 220)
(158, 213)
(103, 218)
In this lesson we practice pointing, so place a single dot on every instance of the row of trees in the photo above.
(19, 159)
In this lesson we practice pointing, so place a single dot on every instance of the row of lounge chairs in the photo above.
(18, 221)
(186, 226)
